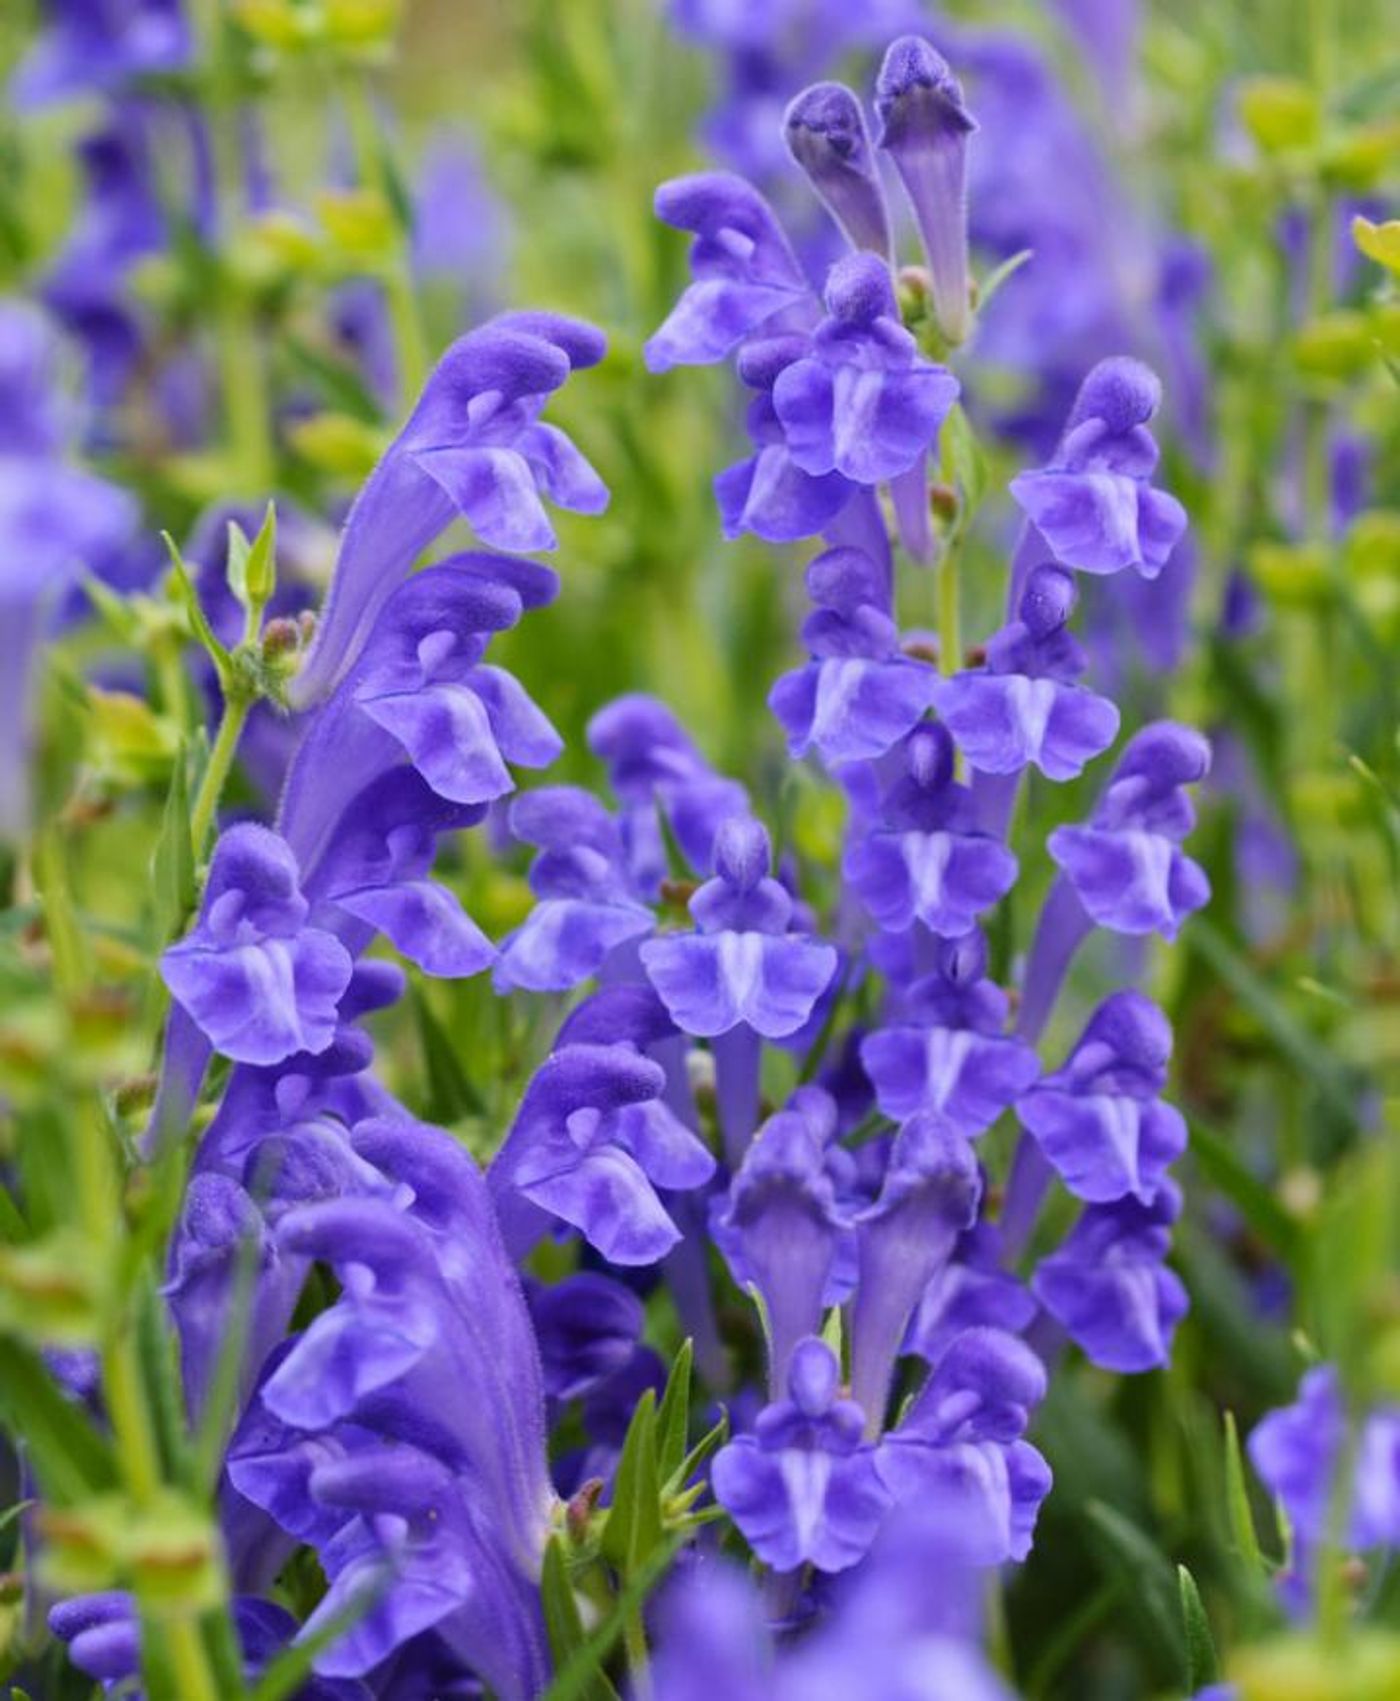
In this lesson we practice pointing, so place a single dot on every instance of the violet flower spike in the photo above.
(827, 137)
(925, 130)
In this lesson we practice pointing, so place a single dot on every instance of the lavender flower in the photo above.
(1108, 1284)
(925, 129)
(1125, 866)
(859, 695)
(591, 1142)
(260, 982)
(1023, 705)
(803, 1487)
(827, 137)
(864, 403)
(1094, 505)
(1099, 1119)
(473, 446)
(97, 45)
(959, 1454)
(745, 271)
(925, 859)
(742, 965)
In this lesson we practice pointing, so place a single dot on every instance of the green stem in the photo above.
(211, 787)
(635, 1641)
(950, 648)
(190, 1660)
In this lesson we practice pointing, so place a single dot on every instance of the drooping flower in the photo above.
(859, 694)
(257, 978)
(926, 859)
(925, 130)
(804, 1488)
(592, 1141)
(959, 1454)
(473, 446)
(1094, 505)
(1108, 1284)
(1100, 1119)
(745, 272)
(1023, 706)
(1126, 865)
(741, 965)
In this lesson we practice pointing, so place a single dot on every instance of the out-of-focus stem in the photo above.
(405, 317)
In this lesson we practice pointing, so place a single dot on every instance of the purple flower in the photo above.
(741, 965)
(864, 403)
(473, 446)
(858, 696)
(587, 901)
(54, 520)
(1100, 1119)
(745, 272)
(1108, 1284)
(827, 137)
(587, 1327)
(258, 980)
(97, 45)
(925, 129)
(780, 1228)
(1094, 505)
(1299, 1451)
(950, 1055)
(769, 494)
(927, 860)
(655, 768)
(1023, 705)
(803, 1488)
(1126, 865)
(958, 1454)
(592, 1141)
(928, 1198)
(971, 1291)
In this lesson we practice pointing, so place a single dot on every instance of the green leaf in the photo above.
(1244, 1538)
(1312, 1060)
(708, 1444)
(1123, 1548)
(451, 1095)
(1001, 275)
(633, 1528)
(964, 464)
(571, 1683)
(564, 1625)
(1202, 1666)
(194, 609)
(1250, 1197)
(260, 568)
(673, 1417)
(236, 562)
(71, 1460)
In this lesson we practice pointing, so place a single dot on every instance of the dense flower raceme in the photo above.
(406, 1404)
